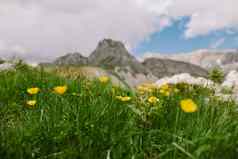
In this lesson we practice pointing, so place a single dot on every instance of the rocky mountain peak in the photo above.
(111, 43)
(113, 54)
(109, 47)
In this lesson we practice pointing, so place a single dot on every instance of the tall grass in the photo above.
(89, 122)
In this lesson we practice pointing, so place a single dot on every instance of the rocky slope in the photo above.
(226, 59)
(71, 59)
(113, 56)
(167, 67)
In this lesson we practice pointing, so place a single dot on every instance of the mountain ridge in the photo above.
(115, 58)
(72, 59)
(208, 59)
(168, 67)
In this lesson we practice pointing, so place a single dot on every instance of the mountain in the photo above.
(113, 57)
(71, 59)
(167, 67)
(112, 54)
(226, 59)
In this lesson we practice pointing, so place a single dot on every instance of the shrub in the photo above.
(1, 61)
(216, 75)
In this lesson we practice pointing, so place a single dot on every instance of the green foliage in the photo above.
(88, 121)
(1, 61)
(217, 75)
(227, 90)
(20, 65)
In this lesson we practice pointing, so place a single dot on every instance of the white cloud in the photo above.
(44, 29)
(206, 15)
(217, 43)
(50, 28)
(15, 50)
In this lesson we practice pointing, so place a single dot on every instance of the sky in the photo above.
(41, 30)
(172, 40)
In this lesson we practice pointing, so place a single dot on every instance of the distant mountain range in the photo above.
(71, 59)
(166, 67)
(112, 58)
(116, 60)
(225, 59)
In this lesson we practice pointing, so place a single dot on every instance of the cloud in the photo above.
(45, 29)
(217, 43)
(205, 16)
(52, 28)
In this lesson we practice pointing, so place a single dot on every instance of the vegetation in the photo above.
(217, 75)
(46, 116)
(1, 61)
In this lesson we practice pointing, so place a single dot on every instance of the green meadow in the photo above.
(96, 120)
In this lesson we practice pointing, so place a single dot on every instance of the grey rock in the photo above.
(110, 54)
(113, 56)
(208, 59)
(72, 59)
(167, 67)
(229, 58)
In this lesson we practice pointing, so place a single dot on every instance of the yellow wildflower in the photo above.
(146, 88)
(176, 90)
(103, 79)
(33, 90)
(60, 89)
(167, 93)
(31, 103)
(123, 99)
(153, 99)
(188, 106)
(165, 90)
(164, 87)
(150, 85)
(143, 90)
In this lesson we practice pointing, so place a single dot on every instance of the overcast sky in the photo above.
(41, 30)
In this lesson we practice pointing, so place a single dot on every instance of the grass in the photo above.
(89, 122)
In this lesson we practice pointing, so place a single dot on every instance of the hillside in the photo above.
(226, 59)
(166, 67)
(73, 59)
(43, 115)
(112, 56)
